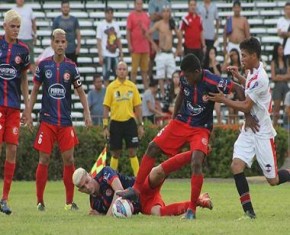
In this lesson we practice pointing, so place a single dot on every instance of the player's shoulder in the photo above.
(22, 45)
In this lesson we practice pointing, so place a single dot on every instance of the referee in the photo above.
(123, 101)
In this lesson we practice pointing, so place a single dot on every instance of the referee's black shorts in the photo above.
(120, 131)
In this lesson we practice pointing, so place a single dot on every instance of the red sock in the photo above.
(196, 185)
(147, 163)
(9, 169)
(176, 162)
(174, 209)
(68, 171)
(41, 179)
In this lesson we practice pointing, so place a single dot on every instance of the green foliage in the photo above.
(91, 144)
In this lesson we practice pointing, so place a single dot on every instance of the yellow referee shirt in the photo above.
(121, 98)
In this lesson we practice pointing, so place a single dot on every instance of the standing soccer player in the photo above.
(250, 143)
(14, 62)
(57, 74)
(192, 123)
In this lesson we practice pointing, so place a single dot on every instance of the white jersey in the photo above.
(258, 90)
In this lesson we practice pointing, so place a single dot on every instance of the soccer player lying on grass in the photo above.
(102, 190)
(258, 143)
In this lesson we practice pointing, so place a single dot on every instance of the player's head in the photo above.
(84, 182)
(58, 41)
(138, 5)
(19, 3)
(191, 68)
(12, 22)
(122, 70)
(251, 52)
(192, 6)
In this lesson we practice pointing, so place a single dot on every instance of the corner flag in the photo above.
(100, 162)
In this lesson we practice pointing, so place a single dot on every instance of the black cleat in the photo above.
(130, 194)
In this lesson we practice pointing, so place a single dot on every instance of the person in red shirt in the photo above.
(191, 25)
(14, 63)
(138, 22)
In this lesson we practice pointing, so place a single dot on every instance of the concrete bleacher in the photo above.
(262, 16)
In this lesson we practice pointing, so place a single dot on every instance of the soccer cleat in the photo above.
(204, 201)
(72, 207)
(189, 214)
(248, 215)
(4, 207)
(130, 194)
(40, 207)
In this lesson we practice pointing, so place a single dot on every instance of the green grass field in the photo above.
(271, 205)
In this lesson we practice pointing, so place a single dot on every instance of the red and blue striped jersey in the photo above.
(105, 177)
(56, 80)
(196, 109)
(14, 59)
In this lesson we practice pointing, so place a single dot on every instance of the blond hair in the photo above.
(57, 31)
(78, 175)
(11, 15)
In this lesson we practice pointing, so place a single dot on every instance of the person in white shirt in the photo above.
(109, 45)
(283, 28)
(27, 32)
(258, 141)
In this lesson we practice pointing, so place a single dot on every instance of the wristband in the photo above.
(140, 124)
(105, 122)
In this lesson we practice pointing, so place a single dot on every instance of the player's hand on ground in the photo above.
(94, 212)
(252, 123)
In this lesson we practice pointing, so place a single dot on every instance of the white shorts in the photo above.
(233, 46)
(165, 65)
(248, 145)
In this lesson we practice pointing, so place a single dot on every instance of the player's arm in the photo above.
(149, 33)
(83, 99)
(240, 105)
(178, 103)
(178, 34)
(138, 114)
(247, 29)
(31, 103)
(25, 94)
(79, 38)
(117, 186)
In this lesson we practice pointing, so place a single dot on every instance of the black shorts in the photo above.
(123, 130)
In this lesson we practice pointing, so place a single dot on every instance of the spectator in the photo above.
(27, 32)
(96, 99)
(149, 110)
(236, 29)
(109, 45)
(155, 11)
(138, 22)
(280, 78)
(210, 22)
(191, 25)
(14, 62)
(213, 66)
(283, 26)
(232, 59)
(165, 59)
(122, 99)
(57, 74)
(174, 89)
(70, 25)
